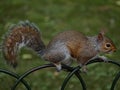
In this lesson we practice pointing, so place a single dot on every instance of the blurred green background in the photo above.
(52, 17)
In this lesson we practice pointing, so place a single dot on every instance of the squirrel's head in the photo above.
(105, 44)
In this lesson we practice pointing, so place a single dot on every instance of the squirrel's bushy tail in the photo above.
(19, 35)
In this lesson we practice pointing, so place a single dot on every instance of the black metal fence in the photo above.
(72, 71)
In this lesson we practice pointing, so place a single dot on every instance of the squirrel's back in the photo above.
(73, 40)
(19, 35)
(69, 35)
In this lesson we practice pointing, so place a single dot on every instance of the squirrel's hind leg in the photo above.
(58, 66)
(55, 58)
(84, 68)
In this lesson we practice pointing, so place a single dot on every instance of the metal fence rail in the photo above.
(72, 71)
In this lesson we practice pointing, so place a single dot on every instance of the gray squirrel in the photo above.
(63, 48)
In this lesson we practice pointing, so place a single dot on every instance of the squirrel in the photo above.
(63, 48)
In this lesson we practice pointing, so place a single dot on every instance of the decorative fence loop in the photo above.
(115, 81)
(72, 71)
(15, 76)
(29, 72)
(76, 72)
(112, 62)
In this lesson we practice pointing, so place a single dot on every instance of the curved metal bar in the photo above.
(69, 69)
(112, 62)
(100, 60)
(81, 80)
(29, 72)
(115, 81)
(77, 73)
(15, 76)
(68, 77)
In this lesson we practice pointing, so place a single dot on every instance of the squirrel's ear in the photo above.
(100, 37)
(103, 32)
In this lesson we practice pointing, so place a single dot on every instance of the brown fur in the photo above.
(18, 35)
(63, 47)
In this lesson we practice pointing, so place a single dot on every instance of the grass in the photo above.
(52, 17)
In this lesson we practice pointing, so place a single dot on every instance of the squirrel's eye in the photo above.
(108, 45)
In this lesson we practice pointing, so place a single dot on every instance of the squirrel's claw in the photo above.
(84, 69)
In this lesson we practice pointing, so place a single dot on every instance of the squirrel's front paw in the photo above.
(103, 58)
